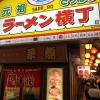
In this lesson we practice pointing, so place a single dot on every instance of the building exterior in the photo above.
(41, 42)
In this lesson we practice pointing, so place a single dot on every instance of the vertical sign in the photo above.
(32, 83)
(11, 84)
(54, 84)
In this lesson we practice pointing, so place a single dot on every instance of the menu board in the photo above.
(54, 84)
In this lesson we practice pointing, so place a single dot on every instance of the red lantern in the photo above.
(91, 61)
(92, 57)
(93, 50)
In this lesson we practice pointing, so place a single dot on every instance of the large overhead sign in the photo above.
(27, 18)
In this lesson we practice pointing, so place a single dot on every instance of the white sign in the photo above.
(57, 19)
(58, 37)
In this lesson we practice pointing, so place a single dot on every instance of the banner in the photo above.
(25, 18)
(21, 81)
(32, 83)
(11, 84)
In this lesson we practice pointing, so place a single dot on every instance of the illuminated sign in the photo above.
(48, 17)
(54, 84)
(57, 19)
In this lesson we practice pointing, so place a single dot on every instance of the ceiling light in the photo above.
(93, 71)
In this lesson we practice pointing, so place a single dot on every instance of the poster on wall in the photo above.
(32, 84)
(11, 84)
(83, 71)
(54, 84)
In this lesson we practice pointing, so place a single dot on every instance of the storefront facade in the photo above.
(38, 41)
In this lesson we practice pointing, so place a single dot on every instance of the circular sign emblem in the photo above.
(39, 2)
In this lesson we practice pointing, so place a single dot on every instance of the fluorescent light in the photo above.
(93, 71)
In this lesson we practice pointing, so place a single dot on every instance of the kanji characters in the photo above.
(50, 53)
(45, 23)
(31, 53)
(21, 8)
(64, 17)
(6, 11)
(85, 12)
(60, 18)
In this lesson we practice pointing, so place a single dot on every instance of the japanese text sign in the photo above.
(57, 19)
(44, 17)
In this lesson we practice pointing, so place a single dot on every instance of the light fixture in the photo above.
(86, 60)
(88, 46)
(86, 63)
(92, 57)
(87, 55)
(91, 61)
(98, 55)
(93, 71)
(97, 61)
(95, 64)
(90, 64)
(93, 50)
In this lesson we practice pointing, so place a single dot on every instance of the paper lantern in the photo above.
(93, 50)
(91, 61)
(98, 55)
(92, 57)
(87, 55)
(86, 63)
(86, 60)
(97, 61)
(95, 64)
(88, 46)
(90, 64)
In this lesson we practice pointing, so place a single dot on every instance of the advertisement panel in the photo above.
(11, 84)
(20, 84)
(54, 84)
(27, 18)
